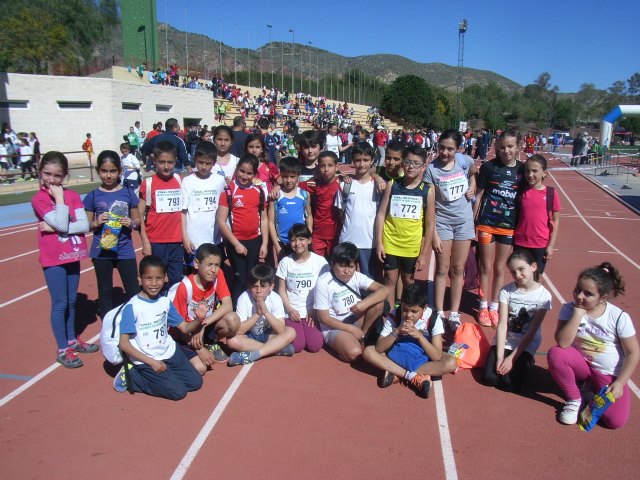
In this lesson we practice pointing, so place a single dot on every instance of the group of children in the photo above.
(372, 226)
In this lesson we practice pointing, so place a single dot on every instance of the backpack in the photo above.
(478, 351)
(110, 336)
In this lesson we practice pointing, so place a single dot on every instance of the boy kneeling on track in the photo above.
(409, 346)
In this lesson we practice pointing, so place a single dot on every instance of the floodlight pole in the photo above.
(462, 29)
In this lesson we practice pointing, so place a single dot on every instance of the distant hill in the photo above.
(204, 60)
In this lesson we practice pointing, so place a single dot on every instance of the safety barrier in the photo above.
(22, 170)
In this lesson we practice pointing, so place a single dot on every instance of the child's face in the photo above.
(204, 165)
(508, 149)
(289, 181)
(411, 313)
(165, 163)
(208, 268)
(223, 143)
(254, 148)
(362, 164)
(586, 294)
(260, 291)
(534, 173)
(52, 174)
(245, 174)
(311, 153)
(413, 166)
(124, 151)
(299, 245)
(152, 281)
(393, 161)
(109, 174)
(447, 150)
(521, 271)
(327, 168)
(344, 271)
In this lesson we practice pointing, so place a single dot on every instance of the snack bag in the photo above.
(457, 351)
(593, 411)
(111, 230)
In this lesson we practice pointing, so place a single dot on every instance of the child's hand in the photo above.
(262, 254)
(358, 309)
(241, 249)
(125, 222)
(45, 227)
(347, 179)
(616, 389)
(505, 366)
(196, 340)
(294, 315)
(409, 329)
(201, 311)
(103, 218)
(205, 356)
(381, 185)
(357, 332)
(158, 366)
(421, 263)
(437, 243)
(57, 192)
(275, 192)
(146, 249)
(470, 193)
(548, 253)
(381, 254)
(188, 245)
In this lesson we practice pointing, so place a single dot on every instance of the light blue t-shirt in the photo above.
(452, 207)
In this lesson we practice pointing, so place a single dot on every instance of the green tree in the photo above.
(410, 98)
(29, 41)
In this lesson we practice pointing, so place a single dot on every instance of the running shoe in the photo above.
(494, 318)
(454, 321)
(483, 317)
(421, 384)
(287, 351)
(68, 358)
(238, 358)
(120, 380)
(387, 379)
(570, 411)
(218, 354)
(80, 346)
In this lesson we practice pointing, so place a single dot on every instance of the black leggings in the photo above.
(513, 380)
(104, 274)
(241, 264)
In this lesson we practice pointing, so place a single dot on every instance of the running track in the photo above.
(312, 416)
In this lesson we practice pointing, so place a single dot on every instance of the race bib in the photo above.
(453, 187)
(204, 200)
(153, 333)
(406, 206)
(168, 200)
(299, 283)
(343, 301)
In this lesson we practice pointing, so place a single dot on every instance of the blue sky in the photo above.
(576, 41)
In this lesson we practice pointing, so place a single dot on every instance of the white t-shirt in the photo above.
(227, 170)
(130, 165)
(300, 279)
(199, 198)
(598, 339)
(360, 207)
(333, 144)
(336, 297)
(247, 307)
(391, 321)
(522, 307)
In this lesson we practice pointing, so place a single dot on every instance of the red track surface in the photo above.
(310, 416)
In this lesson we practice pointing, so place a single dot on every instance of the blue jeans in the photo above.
(62, 283)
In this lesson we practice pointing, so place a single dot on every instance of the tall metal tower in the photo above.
(462, 29)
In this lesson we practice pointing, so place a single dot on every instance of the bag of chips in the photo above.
(111, 230)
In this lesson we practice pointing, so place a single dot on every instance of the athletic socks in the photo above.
(409, 375)
(255, 355)
(494, 306)
(483, 304)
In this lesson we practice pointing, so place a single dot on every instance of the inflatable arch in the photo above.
(606, 124)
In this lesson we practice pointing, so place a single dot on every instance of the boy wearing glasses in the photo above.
(403, 234)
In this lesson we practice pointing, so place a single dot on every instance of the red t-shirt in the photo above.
(268, 173)
(152, 133)
(164, 223)
(212, 296)
(533, 228)
(326, 217)
(247, 205)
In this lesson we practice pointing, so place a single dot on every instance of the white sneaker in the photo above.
(570, 411)
(454, 321)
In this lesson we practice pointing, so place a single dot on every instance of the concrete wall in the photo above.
(106, 120)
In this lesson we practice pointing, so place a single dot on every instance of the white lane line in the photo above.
(632, 386)
(450, 470)
(16, 227)
(207, 428)
(590, 227)
(33, 292)
(17, 231)
(18, 256)
(7, 398)
(602, 252)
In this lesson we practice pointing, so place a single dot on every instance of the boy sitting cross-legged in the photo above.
(262, 329)
(204, 295)
(409, 347)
